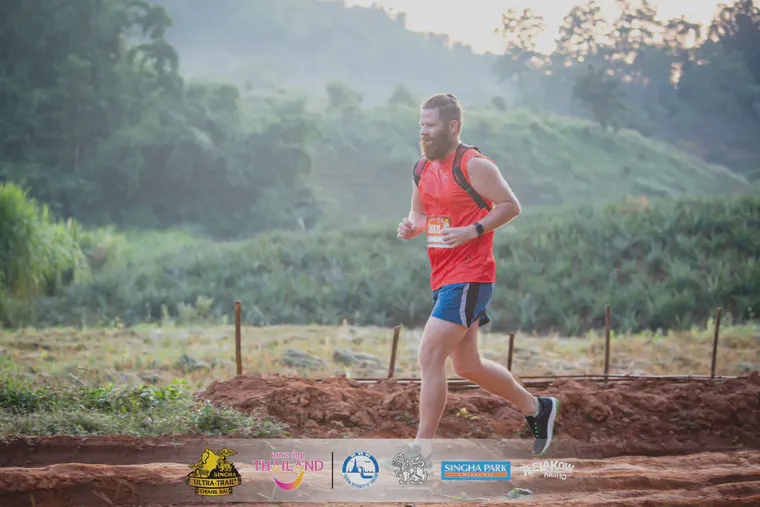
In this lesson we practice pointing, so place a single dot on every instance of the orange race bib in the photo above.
(435, 227)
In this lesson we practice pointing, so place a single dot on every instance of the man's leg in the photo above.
(439, 339)
(540, 412)
(492, 377)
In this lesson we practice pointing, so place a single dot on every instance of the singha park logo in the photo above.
(214, 475)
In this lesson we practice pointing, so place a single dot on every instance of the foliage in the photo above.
(678, 87)
(401, 96)
(342, 96)
(602, 95)
(302, 45)
(661, 265)
(695, 86)
(99, 124)
(75, 409)
(37, 253)
(365, 162)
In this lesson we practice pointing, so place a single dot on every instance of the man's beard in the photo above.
(437, 149)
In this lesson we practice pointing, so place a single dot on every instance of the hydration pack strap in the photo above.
(458, 174)
(459, 177)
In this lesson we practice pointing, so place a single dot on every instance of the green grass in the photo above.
(364, 165)
(67, 405)
(659, 264)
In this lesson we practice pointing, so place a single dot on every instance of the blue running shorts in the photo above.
(463, 303)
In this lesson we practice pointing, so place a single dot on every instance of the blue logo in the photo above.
(360, 469)
(475, 471)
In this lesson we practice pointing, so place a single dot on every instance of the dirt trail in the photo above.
(642, 417)
(636, 444)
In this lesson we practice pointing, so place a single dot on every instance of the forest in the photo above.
(694, 86)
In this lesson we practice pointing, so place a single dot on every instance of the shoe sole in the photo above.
(550, 431)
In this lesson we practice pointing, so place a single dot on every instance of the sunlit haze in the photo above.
(474, 24)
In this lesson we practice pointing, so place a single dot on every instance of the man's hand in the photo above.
(406, 229)
(456, 236)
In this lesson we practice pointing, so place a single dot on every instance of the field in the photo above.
(647, 442)
(149, 354)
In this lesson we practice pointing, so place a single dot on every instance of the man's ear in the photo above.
(455, 127)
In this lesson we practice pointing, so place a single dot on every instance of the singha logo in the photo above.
(214, 475)
(409, 471)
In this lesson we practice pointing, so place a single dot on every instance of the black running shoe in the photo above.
(542, 425)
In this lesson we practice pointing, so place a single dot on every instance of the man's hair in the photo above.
(447, 105)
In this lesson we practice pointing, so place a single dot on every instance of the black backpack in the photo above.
(457, 172)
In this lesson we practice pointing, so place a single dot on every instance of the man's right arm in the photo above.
(414, 224)
(417, 211)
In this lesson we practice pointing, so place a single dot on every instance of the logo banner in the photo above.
(365, 470)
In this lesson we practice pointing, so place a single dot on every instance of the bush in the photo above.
(659, 265)
(37, 253)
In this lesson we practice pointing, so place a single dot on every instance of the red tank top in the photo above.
(446, 204)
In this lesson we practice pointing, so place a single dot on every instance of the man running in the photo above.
(459, 224)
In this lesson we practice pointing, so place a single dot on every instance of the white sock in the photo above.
(537, 409)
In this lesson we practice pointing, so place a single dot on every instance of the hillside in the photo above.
(109, 129)
(365, 159)
(301, 45)
(667, 264)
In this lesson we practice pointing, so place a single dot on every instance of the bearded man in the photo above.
(459, 198)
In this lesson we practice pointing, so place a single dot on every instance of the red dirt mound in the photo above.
(641, 417)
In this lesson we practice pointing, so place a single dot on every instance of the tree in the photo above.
(580, 32)
(99, 124)
(401, 97)
(520, 30)
(499, 103)
(737, 29)
(602, 94)
(342, 96)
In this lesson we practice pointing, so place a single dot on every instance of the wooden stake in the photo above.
(238, 357)
(715, 343)
(511, 348)
(396, 331)
(606, 342)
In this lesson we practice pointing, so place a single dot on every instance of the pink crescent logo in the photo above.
(289, 486)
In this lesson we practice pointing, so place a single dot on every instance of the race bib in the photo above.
(435, 227)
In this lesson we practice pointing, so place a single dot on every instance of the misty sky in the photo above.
(474, 25)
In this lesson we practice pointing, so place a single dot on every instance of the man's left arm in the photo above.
(487, 181)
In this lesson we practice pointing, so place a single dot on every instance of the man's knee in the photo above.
(438, 340)
(431, 356)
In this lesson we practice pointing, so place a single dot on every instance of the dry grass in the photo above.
(158, 355)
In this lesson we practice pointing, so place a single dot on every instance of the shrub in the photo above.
(37, 253)
(658, 264)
